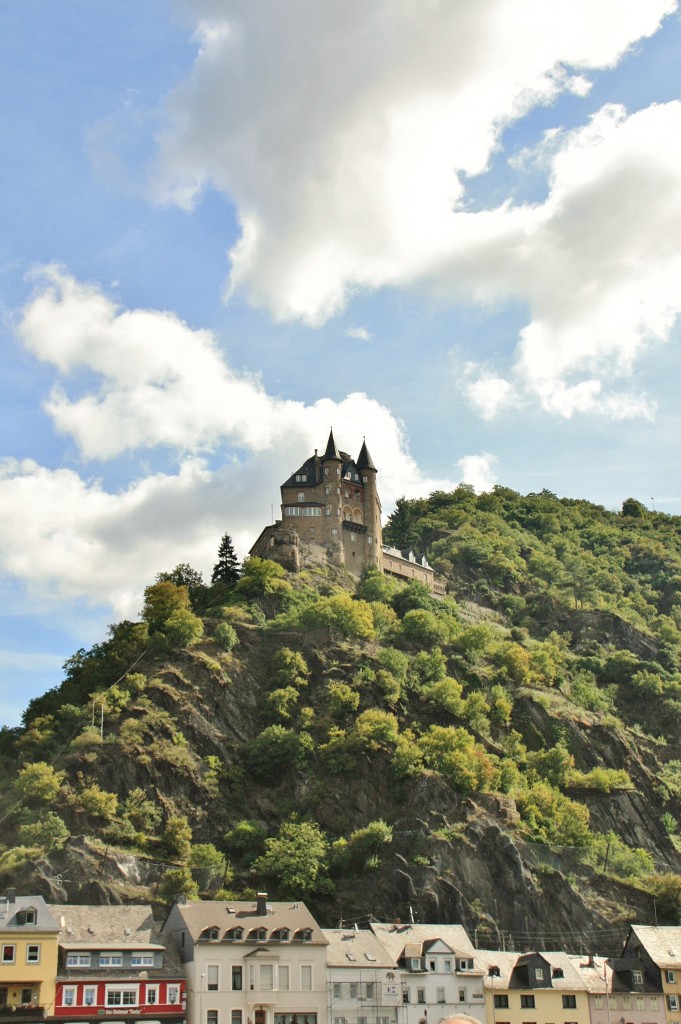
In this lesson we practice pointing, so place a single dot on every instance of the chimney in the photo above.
(261, 907)
(11, 895)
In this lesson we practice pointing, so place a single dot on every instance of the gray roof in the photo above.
(663, 944)
(12, 908)
(351, 948)
(97, 927)
(202, 914)
(395, 937)
(113, 928)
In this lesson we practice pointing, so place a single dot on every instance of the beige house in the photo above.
(250, 962)
(28, 957)
(363, 979)
(657, 954)
(619, 990)
(439, 970)
(533, 988)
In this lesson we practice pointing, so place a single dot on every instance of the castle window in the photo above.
(328, 511)
(327, 490)
(335, 533)
(369, 542)
(301, 495)
(353, 537)
(365, 479)
(326, 470)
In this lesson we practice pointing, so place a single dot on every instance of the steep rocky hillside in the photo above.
(508, 757)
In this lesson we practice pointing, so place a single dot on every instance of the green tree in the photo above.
(226, 636)
(184, 576)
(275, 750)
(208, 865)
(97, 802)
(296, 858)
(39, 783)
(341, 615)
(49, 832)
(245, 840)
(262, 577)
(178, 882)
(226, 569)
(167, 613)
(142, 813)
(177, 837)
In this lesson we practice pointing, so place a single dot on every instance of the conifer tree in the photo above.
(227, 569)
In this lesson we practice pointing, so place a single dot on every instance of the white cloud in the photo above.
(343, 134)
(361, 333)
(158, 382)
(488, 394)
(479, 470)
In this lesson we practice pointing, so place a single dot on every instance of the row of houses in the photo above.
(256, 962)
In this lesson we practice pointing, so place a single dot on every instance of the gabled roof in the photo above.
(508, 976)
(13, 909)
(662, 944)
(311, 469)
(396, 937)
(198, 915)
(358, 949)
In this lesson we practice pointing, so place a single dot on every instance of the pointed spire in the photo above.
(331, 449)
(364, 460)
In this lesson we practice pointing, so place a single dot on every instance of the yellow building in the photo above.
(28, 958)
(533, 988)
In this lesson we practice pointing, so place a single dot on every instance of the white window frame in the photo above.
(212, 977)
(78, 959)
(283, 978)
(637, 977)
(266, 977)
(151, 990)
(671, 977)
(111, 959)
(122, 989)
(142, 960)
(172, 993)
(90, 990)
(33, 959)
(9, 960)
(68, 995)
(673, 1002)
(306, 978)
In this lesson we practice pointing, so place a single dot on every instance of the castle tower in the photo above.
(332, 465)
(372, 508)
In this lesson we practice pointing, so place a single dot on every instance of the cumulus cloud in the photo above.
(479, 471)
(151, 380)
(345, 135)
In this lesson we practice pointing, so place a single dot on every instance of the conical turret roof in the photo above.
(331, 449)
(364, 460)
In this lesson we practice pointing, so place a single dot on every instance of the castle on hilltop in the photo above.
(331, 514)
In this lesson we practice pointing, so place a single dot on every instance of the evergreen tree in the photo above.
(227, 568)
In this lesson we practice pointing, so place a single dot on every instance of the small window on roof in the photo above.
(370, 956)
(558, 972)
(350, 956)
(211, 934)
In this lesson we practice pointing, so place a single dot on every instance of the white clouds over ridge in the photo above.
(343, 132)
(158, 382)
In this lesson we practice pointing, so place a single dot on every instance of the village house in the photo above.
(620, 990)
(28, 958)
(533, 988)
(653, 958)
(250, 962)
(113, 966)
(363, 980)
(440, 973)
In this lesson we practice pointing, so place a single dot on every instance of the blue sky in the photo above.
(230, 224)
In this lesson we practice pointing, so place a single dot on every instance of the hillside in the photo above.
(507, 757)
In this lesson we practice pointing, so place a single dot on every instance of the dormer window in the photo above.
(539, 973)
(637, 977)
(27, 916)
(259, 935)
(558, 972)
(304, 935)
(464, 965)
(211, 934)
(234, 935)
(281, 935)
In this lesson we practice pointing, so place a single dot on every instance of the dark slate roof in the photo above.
(311, 468)
(364, 460)
(12, 909)
(331, 449)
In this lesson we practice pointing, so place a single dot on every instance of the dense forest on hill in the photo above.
(507, 757)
